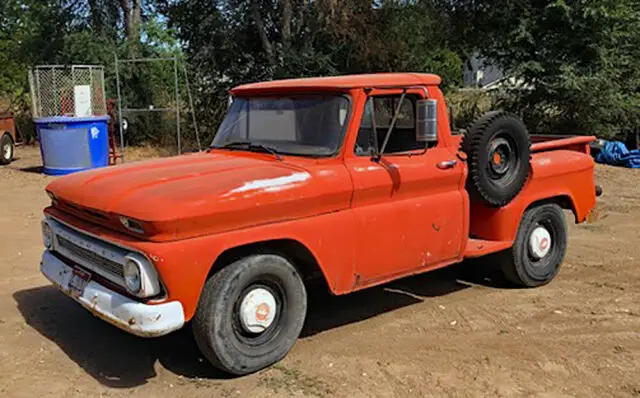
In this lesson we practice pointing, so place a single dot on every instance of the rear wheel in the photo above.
(250, 314)
(6, 149)
(498, 150)
(539, 249)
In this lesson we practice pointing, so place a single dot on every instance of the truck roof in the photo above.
(340, 82)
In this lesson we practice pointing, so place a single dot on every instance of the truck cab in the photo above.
(350, 180)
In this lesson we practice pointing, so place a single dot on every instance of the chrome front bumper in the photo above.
(137, 318)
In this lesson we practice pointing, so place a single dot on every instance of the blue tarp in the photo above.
(616, 153)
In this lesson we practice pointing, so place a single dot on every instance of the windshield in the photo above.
(307, 125)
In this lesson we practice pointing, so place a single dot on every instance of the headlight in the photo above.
(140, 277)
(47, 235)
(132, 279)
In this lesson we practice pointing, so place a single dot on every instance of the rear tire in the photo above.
(539, 248)
(498, 149)
(6, 149)
(250, 314)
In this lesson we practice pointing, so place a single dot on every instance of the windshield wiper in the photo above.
(252, 145)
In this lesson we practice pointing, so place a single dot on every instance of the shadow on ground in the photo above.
(327, 312)
(119, 360)
(32, 169)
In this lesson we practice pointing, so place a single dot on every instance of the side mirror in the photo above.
(427, 120)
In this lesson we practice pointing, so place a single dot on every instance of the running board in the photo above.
(480, 247)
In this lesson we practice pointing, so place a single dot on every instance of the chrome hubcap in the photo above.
(540, 242)
(257, 310)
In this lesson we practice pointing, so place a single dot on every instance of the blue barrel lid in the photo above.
(71, 119)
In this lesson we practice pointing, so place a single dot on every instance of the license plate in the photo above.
(79, 281)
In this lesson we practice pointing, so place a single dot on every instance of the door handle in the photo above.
(447, 164)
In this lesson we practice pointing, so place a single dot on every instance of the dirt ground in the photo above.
(455, 332)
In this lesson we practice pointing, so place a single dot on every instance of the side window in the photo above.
(403, 135)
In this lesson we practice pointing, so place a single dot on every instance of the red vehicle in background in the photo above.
(7, 137)
(352, 181)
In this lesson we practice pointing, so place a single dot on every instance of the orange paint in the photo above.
(364, 221)
(497, 158)
(262, 312)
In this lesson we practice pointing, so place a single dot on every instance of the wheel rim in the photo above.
(255, 324)
(258, 310)
(540, 242)
(502, 158)
(6, 151)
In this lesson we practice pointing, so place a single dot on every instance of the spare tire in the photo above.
(498, 149)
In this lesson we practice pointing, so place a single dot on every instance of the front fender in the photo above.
(185, 265)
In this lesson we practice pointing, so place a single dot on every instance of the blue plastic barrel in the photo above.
(70, 144)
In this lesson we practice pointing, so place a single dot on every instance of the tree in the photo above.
(237, 41)
(579, 58)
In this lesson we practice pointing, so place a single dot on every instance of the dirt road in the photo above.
(455, 332)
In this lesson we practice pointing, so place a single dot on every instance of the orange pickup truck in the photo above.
(352, 181)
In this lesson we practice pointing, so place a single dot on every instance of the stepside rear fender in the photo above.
(564, 177)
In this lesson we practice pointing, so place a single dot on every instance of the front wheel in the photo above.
(539, 248)
(250, 314)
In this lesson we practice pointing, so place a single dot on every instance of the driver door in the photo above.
(408, 207)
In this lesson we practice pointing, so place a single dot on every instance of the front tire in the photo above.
(539, 248)
(250, 314)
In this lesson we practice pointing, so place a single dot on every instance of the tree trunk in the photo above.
(134, 33)
(300, 17)
(257, 18)
(131, 12)
(287, 14)
(96, 19)
(126, 16)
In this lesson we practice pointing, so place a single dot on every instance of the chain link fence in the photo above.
(58, 90)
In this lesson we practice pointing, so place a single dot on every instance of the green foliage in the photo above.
(232, 42)
(24, 38)
(40, 32)
(579, 57)
(468, 105)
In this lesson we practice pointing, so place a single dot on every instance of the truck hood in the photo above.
(205, 193)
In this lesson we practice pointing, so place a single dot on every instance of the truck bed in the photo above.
(540, 143)
(548, 142)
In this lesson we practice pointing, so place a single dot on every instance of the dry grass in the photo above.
(137, 153)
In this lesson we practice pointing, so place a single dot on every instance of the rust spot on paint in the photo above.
(436, 227)
(132, 321)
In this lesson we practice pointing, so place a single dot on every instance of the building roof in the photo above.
(341, 82)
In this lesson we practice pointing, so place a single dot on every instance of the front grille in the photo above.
(92, 258)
